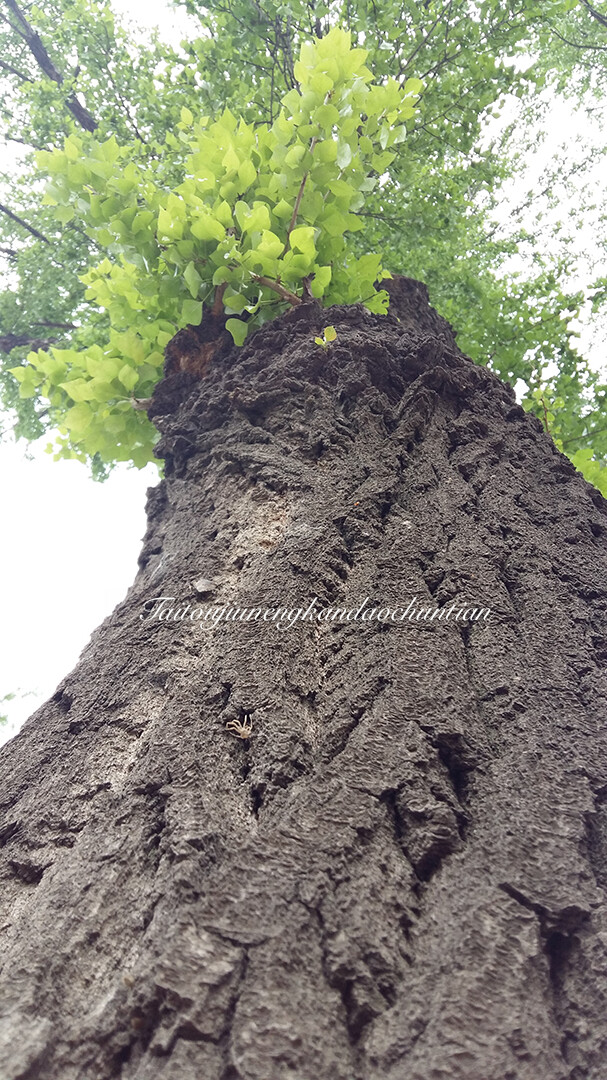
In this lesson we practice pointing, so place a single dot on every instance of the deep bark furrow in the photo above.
(400, 874)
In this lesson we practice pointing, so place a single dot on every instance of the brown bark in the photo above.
(401, 874)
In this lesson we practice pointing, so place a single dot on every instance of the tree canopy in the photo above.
(285, 147)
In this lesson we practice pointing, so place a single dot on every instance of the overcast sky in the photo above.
(69, 546)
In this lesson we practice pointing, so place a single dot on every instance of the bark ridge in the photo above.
(402, 873)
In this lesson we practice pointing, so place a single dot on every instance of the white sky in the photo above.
(149, 14)
(575, 222)
(68, 557)
(69, 546)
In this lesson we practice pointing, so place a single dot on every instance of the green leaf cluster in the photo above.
(258, 210)
(329, 334)
(432, 214)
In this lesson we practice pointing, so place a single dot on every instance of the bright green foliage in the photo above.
(432, 216)
(329, 334)
(259, 209)
(97, 61)
(585, 461)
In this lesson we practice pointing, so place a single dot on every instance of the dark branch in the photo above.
(56, 325)
(585, 436)
(22, 341)
(420, 44)
(81, 115)
(579, 44)
(602, 19)
(24, 224)
(276, 287)
(14, 71)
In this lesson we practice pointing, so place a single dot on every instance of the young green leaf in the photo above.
(238, 330)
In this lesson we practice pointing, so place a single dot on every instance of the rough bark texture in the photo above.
(403, 873)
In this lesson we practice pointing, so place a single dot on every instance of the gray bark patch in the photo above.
(344, 849)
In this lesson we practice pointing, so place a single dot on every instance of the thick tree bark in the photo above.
(402, 873)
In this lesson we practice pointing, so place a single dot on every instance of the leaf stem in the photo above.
(298, 201)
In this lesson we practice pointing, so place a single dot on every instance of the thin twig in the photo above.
(585, 435)
(20, 221)
(285, 294)
(602, 19)
(14, 71)
(57, 325)
(579, 44)
(546, 424)
(298, 201)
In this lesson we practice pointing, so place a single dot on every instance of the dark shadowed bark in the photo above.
(402, 873)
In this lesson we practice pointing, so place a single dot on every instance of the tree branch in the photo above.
(217, 308)
(579, 44)
(14, 71)
(602, 19)
(585, 435)
(276, 287)
(295, 212)
(298, 200)
(24, 224)
(107, 53)
(403, 67)
(56, 325)
(81, 115)
(8, 342)
(21, 142)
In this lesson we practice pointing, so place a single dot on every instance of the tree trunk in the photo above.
(402, 873)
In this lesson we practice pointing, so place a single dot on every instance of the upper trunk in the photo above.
(402, 873)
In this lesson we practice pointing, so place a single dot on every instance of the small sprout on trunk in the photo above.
(328, 335)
